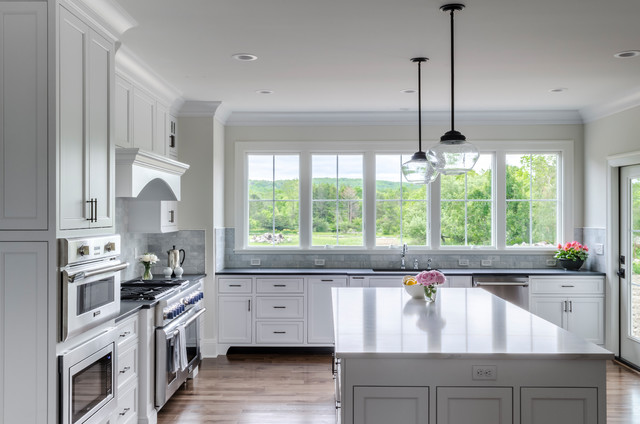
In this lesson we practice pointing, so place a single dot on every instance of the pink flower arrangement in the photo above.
(572, 251)
(430, 278)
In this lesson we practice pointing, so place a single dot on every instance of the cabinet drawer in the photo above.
(280, 307)
(127, 330)
(234, 285)
(127, 365)
(280, 285)
(127, 409)
(279, 332)
(567, 285)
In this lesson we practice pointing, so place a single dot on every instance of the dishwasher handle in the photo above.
(499, 283)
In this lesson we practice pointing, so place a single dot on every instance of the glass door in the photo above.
(630, 264)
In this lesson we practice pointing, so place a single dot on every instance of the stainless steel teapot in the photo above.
(174, 259)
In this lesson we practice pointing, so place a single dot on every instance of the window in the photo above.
(273, 191)
(466, 206)
(532, 200)
(337, 200)
(401, 207)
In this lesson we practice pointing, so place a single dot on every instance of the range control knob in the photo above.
(83, 250)
(110, 247)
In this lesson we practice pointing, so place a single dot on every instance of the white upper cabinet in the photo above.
(86, 161)
(143, 120)
(23, 116)
(123, 112)
(162, 126)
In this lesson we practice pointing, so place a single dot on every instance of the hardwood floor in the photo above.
(298, 389)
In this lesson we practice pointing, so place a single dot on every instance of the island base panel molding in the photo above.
(446, 391)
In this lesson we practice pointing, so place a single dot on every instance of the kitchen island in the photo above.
(469, 357)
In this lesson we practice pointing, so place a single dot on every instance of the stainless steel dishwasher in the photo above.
(514, 289)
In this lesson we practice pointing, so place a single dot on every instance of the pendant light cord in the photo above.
(452, 75)
(419, 107)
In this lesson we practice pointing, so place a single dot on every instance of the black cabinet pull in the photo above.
(249, 307)
(327, 280)
(279, 307)
(124, 411)
(95, 205)
(172, 216)
(279, 332)
(235, 285)
(279, 285)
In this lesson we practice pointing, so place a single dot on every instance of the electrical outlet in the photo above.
(599, 248)
(485, 262)
(319, 262)
(255, 262)
(551, 262)
(463, 262)
(484, 372)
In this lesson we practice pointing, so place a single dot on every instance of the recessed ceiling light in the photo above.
(264, 91)
(627, 53)
(558, 90)
(408, 91)
(244, 57)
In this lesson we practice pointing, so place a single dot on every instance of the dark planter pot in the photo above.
(570, 265)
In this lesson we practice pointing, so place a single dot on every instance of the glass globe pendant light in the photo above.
(419, 170)
(454, 154)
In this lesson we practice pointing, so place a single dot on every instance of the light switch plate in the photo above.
(255, 262)
(551, 262)
(485, 262)
(319, 262)
(599, 248)
(463, 262)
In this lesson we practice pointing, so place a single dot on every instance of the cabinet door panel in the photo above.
(73, 168)
(586, 318)
(385, 281)
(122, 112)
(235, 325)
(558, 405)
(478, 405)
(143, 120)
(160, 136)
(99, 70)
(24, 337)
(384, 405)
(319, 312)
(550, 308)
(23, 117)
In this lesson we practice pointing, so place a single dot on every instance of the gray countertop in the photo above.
(461, 323)
(371, 272)
(130, 307)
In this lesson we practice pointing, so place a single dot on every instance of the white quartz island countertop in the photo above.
(461, 323)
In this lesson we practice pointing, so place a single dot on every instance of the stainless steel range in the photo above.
(177, 335)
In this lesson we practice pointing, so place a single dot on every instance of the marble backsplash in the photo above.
(227, 257)
(135, 244)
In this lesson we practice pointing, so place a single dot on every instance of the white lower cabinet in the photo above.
(128, 370)
(234, 319)
(558, 405)
(478, 405)
(275, 310)
(384, 405)
(319, 309)
(573, 303)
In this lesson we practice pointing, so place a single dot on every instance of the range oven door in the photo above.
(90, 296)
(87, 380)
(170, 373)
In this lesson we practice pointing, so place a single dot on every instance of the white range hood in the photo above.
(147, 176)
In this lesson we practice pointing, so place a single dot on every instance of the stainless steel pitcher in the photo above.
(174, 259)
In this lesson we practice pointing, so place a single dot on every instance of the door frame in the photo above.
(612, 288)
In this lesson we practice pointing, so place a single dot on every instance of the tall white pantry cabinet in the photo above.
(56, 81)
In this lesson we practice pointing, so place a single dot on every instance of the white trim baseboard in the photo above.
(209, 348)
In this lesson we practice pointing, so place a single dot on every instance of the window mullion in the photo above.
(305, 195)
(433, 216)
(369, 204)
(500, 195)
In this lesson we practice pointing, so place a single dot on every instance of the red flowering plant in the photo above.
(572, 251)
(430, 281)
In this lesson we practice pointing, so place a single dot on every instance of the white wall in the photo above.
(619, 133)
(196, 147)
(431, 134)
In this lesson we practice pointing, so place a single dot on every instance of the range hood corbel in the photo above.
(147, 176)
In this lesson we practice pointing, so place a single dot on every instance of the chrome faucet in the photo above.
(404, 252)
(416, 265)
(429, 264)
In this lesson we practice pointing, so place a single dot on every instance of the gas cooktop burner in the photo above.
(144, 292)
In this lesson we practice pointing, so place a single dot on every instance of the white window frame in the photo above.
(564, 148)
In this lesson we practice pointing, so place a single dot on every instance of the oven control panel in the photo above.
(75, 250)
(178, 304)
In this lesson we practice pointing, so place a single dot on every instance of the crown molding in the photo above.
(593, 113)
(558, 117)
(197, 108)
(112, 18)
(132, 68)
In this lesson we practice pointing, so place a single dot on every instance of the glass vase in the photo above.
(430, 293)
(147, 271)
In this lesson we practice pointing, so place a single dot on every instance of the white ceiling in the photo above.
(353, 55)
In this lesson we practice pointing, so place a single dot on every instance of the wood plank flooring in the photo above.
(298, 389)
